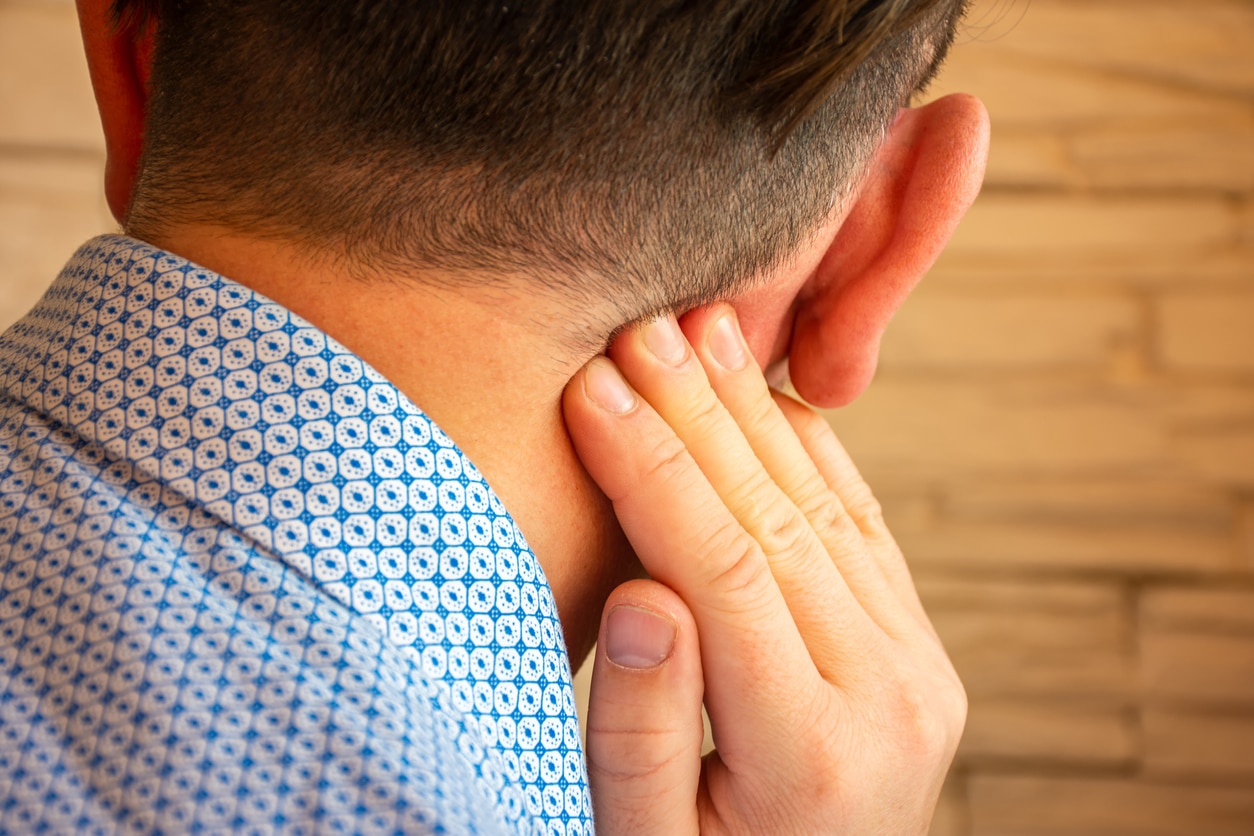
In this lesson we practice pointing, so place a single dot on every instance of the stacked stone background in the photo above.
(1062, 430)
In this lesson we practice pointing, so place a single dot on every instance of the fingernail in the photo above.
(638, 639)
(606, 387)
(726, 346)
(663, 337)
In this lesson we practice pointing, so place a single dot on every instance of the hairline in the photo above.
(482, 269)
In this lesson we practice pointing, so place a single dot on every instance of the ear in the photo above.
(119, 60)
(915, 191)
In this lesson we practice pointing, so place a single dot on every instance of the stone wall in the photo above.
(1062, 430)
(51, 150)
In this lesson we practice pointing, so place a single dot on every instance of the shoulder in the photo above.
(157, 669)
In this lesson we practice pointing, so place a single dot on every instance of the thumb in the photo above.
(644, 714)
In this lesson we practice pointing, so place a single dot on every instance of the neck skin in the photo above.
(489, 368)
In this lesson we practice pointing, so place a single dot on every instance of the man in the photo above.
(254, 576)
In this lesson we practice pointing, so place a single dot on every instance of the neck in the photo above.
(497, 394)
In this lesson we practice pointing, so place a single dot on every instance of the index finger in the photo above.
(687, 538)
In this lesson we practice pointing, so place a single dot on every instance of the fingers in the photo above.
(838, 471)
(736, 504)
(644, 716)
(717, 341)
(660, 364)
(687, 539)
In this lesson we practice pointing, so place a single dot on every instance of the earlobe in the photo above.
(917, 188)
(119, 61)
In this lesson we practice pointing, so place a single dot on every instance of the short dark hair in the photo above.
(657, 152)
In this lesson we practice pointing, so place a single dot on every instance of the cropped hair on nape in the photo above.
(661, 151)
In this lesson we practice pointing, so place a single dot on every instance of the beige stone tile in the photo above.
(1220, 609)
(963, 593)
(1210, 264)
(1028, 91)
(47, 4)
(1213, 438)
(1072, 500)
(922, 428)
(1207, 331)
(1002, 670)
(1199, 744)
(1033, 638)
(1087, 241)
(1065, 229)
(48, 207)
(1207, 47)
(1069, 806)
(1195, 155)
(1132, 549)
(45, 92)
(1201, 405)
(1219, 452)
(1197, 668)
(941, 329)
(974, 632)
(1245, 535)
(907, 504)
(1029, 158)
(1038, 731)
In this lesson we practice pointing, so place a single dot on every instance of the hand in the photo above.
(778, 596)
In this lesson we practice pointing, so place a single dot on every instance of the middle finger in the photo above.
(659, 363)
(736, 380)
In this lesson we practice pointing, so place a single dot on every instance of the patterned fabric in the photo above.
(247, 586)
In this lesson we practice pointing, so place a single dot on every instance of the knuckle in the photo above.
(631, 754)
(786, 532)
(740, 571)
(779, 527)
(836, 529)
(760, 414)
(666, 461)
(826, 513)
(926, 730)
(704, 415)
(825, 761)
(867, 510)
(754, 494)
(867, 514)
(924, 716)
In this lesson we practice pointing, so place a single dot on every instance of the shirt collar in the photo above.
(250, 413)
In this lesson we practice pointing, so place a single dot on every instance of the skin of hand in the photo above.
(777, 596)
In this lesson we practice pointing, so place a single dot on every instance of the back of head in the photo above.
(657, 153)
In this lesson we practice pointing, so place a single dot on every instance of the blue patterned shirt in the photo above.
(246, 585)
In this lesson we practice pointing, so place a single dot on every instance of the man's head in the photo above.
(656, 153)
(517, 182)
